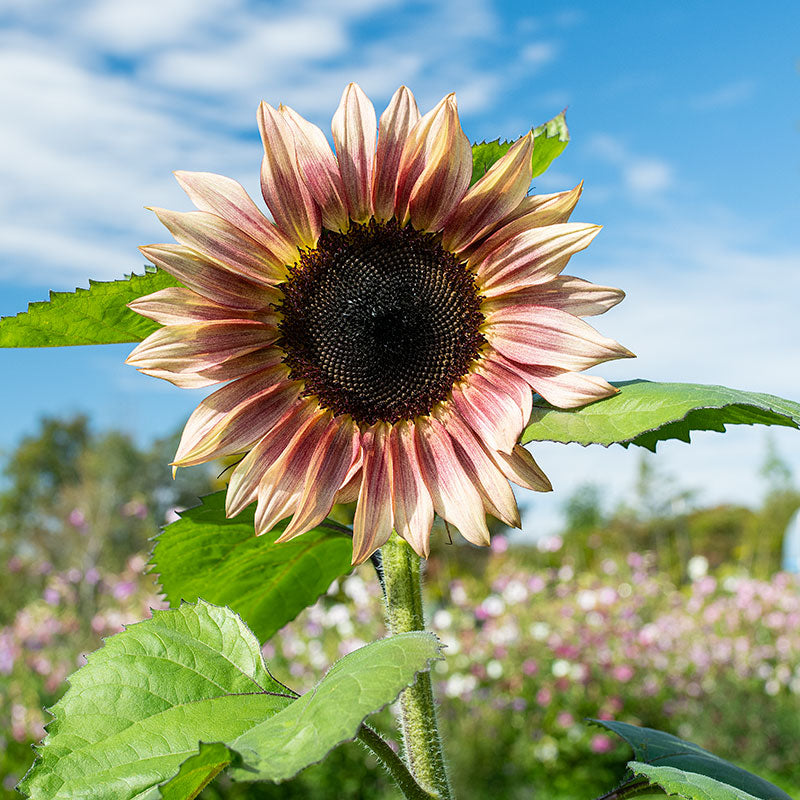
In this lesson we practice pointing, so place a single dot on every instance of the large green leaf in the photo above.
(686, 769)
(197, 772)
(97, 315)
(357, 685)
(145, 700)
(645, 413)
(550, 140)
(205, 555)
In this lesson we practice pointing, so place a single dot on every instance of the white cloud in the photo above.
(726, 96)
(539, 53)
(640, 175)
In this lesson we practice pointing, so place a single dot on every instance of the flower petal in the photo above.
(282, 185)
(550, 337)
(534, 256)
(176, 306)
(327, 472)
(214, 238)
(354, 129)
(395, 125)
(454, 496)
(209, 278)
(518, 466)
(226, 371)
(372, 524)
(491, 198)
(180, 348)
(250, 471)
(318, 166)
(413, 507)
(435, 168)
(498, 499)
(534, 211)
(573, 295)
(227, 199)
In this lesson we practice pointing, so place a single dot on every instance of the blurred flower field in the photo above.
(532, 650)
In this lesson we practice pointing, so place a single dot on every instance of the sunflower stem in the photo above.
(422, 745)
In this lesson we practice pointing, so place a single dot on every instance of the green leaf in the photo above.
(550, 140)
(645, 413)
(136, 716)
(690, 767)
(197, 772)
(356, 686)
(97, 315)
(144, 701)
(205, 555)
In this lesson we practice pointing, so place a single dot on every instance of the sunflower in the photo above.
(378, 342)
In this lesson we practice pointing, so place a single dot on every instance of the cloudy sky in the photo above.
(684, 119)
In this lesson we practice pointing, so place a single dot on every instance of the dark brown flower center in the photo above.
(380, 322)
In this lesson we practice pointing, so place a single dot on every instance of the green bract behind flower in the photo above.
(379, 341)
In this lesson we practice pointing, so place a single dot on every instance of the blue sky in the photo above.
(684, 119)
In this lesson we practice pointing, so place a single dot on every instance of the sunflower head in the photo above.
(379, 339)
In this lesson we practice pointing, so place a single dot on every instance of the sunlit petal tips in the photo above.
(380, 337)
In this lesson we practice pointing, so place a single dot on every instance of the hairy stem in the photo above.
(422, 744)
(395, 765)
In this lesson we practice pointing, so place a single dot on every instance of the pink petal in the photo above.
(190, 348)
(573, 295)
(319, 169)
(519, 467)
(209, 278)
(550, 337)
(435, 168)
(176, 306)
(226, 371)
(250, 471)
(282, 486)
(491, 198)
(214, 238)
(534, 256)
(498, 499)
(227, 199)
(327, 471)
(354, 129)
(490, 411)
(413, 507)
(282, 185)
(561, 388)
(535, 211)
(372, 525)
(242, 426)
(395, 126)
(454, 496)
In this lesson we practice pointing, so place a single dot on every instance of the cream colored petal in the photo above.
(214, 238)
(573, 295)
(498, 499)
(550, 337)
(227, 199)
(535, 256)
(413, 507)
(250, 471)
(209, 278)
(177, 306)
(454, 496)
(319, 169)
(226, 371)
(519, 467)
(354, 129)
(491, 198)
(327, 471)
(372, 524)
(562, 388)
(282, 184)
(190, 348)
(395, 126)
(534, 211)
(435, 168)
